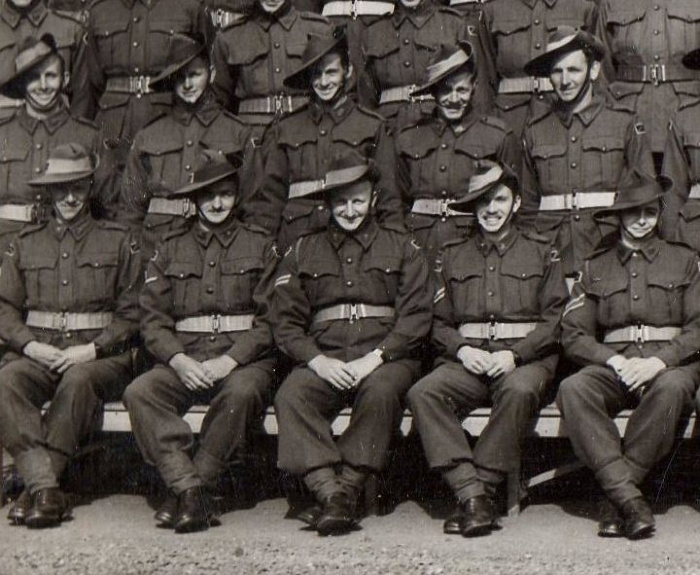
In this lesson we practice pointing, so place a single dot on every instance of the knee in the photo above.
(422, 393)
(569, 390)
(237, 393)
(75, 381)
(136, 392)
(672, 386)
(521, 390)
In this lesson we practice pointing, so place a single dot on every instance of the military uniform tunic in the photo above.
(657, 285)
(374, 266)
(203, 273)
(86, 266)
(589, 152)
(515, 281)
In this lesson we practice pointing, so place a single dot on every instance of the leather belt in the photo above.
(640, 334)
(215, 323)
(528, 84)
(138, 85)
(496, 330)
(352, 312)
(221, 18)
(355, 8)
(278, 104)
(68, 321)
(577, 201)
(403, 94)
(19, 212)
(172, 207)
(656, 73)
(435, 207)
(694, 193)
(301, 189)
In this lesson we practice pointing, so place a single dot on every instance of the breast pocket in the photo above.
(666, 294)
(186, 280)
(320, 279)
(97, 276)
(624, 24)
(603, 160)
(164, 160)
(551, 165)
(611, 293)
(160, 36)
(683, 26)
(467, 288)
(512, 36)
(111, 35)
(421, 160)
(691, 144)
(13, 164)
(40, 277)
(521, 285)
(239, 278)
(384, 275)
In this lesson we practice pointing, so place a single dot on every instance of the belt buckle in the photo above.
(445, 208)
(62, 321)
(492, 330)
(657, 73)
(353, 313)
(218, 17)
(139, 85)
(186, 203)
(536, 88)
(571, 201)
(278, 104)
(216, 323)
(411, 98)
(640, 333)
(353, 9)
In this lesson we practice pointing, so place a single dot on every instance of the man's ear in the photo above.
(595, 70)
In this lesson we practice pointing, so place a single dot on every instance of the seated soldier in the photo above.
(204, 320)
(351, 305)
(68, 312)
(496, 325)
(633, 324)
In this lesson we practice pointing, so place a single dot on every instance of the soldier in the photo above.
(299, 148)
(497, 348)
(679, 219)
(127, 45)
(518, 31)
(633, 324)
(578, 149)
(399, 47)
(69, 313)
(163, 155)
(30, 133)
(22, 18)
(351, 305)
(205, 322)
(646, 41)
(436, 155)
(254, 55)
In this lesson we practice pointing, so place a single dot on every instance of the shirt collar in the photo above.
(51, 123)
(225, 234)
(338, 113)
(649, 250)
(467, 121)
(78, 228)
(286, 16)
(364, 235)
(206, 110)
(12, 16)
(587, 115)
(505, 243)
(418, 16)
(531, 3)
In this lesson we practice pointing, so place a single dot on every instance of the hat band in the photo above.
(439, 68)
(27, 58)
(62, 166)
(345, 175)
(480, 182)
(551, 46)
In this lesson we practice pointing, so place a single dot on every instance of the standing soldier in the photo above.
(351, 305)
(646, 42)
(162, 158)
(299, 148)
(69, 313)
(20, 19)
(30, 134)
(399, 47)
(254, 55)
(633, 324)
(496, 324)
(437, 155)
(205, 322)
(128, 44)
(680, 218)
(577, 149)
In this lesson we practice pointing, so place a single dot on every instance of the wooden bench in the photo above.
(548, 425)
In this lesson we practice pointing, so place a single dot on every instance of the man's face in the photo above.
(216, 203)
(570, 75)
(350, 206)
(44, 85)
(453, 96)
(271, 6)
(640, 222)
(70, 198)
(328, 77)
(495, 209)
(192, 80)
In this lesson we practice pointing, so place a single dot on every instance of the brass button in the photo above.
(574, 165)
(443, 168)
(443, 193)
(407, 64)
(210, 290)
(64, 282)
(64, 255)
(212, 338)
(136, 44)
(349, 283)
(634, 274)
(323, 132)
(212, 264)
(635, 297)
(349, 260)
(492, 268)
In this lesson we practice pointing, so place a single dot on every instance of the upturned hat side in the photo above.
(562, 41)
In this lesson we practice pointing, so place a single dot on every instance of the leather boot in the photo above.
(478, 517)
(49, 508)
(195, 511)
(610, 524)
(337, 516)
(19, 509)
(638, 520)
(167, 512)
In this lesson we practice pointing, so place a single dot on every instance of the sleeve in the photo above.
(675, 166)
(257, 341)
(389, 203)
(414, 307)
(13, 297)
(511, 154)
(124, 327)
(530, 190)
(601, 31)
(291, 311)
(638, 150)
(552, 298)
(88, 78)
(134, 194)
(224, 81)
(445, 335)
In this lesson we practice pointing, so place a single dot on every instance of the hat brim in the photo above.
(541, 66)
(48, 179)
(466, 202)
(692, 60)
(15, 86)
(622, 206)
(199, 186)
(428, 87)
(163, 81)
(300, 79)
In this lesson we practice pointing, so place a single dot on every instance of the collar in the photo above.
(225, 234)
(206, 110)
(531, 3)
(364, 235)
(78, 228)
(467, 121)
(52, 123)
(505, 243)
(35, 16)
(649, 250)
(587, 115)
(338, 113)
(286, 16)
(418, 16)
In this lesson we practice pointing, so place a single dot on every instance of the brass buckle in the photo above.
(218, 18)
(354, 316)
(492, 330)
(62, 323)
(139, 85)
(186, 205)
(657, 73)
(216, 323)
(639, 333)
(445, 208)
(353, 10)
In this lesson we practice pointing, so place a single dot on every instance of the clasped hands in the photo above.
(490, 363)
(201, 375)
(344, 375)
(636, 372)
(59, 360)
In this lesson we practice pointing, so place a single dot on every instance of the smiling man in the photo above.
(633, 325)
(351, 305)
(497, 306)
(578, 149)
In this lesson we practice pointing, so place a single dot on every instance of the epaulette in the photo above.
(237, 22)
(70, 15)
(371, 113)
(255, 228)
(159, 116)
(454, 242)
(540, 238)
(84, 121)
(539, 114)
(6, 114)
(605, 244)
(231, 116)
(175, 233)
(449, 10)
(394, 227)
(112, 225)
(31, 228)
(495, 122)
(677, 243)
(415, 124)
(313, 16)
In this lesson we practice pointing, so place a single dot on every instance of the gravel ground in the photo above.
(115, 535)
